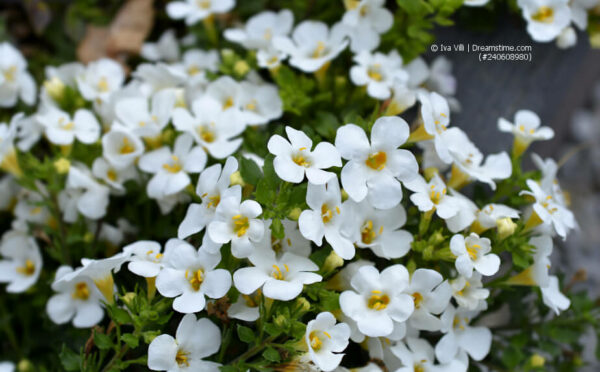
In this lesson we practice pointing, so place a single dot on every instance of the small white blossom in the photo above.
(526, 129)
(417, 355)
(469, 293)
(548, 211)
(545, 18)
(473, 253)
(326, 340)
(165, 49)
(121, 147)
(553, 298)
(379, 72)
(100, 79)
(142, 120)
(459, 335)
(431, 295)
(432, 196)
(366, 20)
(83, 194)
(22, 261)
(15, 82)
(62, 129)
(196, 10)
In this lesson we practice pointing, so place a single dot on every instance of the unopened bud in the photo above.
(25, 366)
(506, 227)
(241, 67)
(280, 320)
(537, 361)
(302, 304)
(128, 298)
(236, 179)
(55, 88)
(332, 262)
(294, 214)
(62, 165)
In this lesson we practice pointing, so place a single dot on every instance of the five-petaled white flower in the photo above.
(379, 72)
(22, 261)
(374, 170)
(260, 29)
(432, 195)
(144, 121)
(431, 295)
(83, 194)
(15, 81)
(326, 340)
(194, 340)
(417, 355)
(62, 129)
(473, 253)
(545, 18)
(366, 20)
(526, 129)
(100, 79)
(295, 158)
(121, 147)
(196, 10)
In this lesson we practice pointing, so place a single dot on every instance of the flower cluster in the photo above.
(279, 220)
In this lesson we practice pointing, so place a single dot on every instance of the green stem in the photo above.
(253, 350)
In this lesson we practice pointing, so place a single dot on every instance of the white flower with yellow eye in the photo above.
(435, 114)
(196, 10)
(83, 194)
(459, 335)
(194, 340)
(295, 157)
(379, 72)
(526, 129)
(145, 257)
(259, 103)
(189, 275)
(417, 355)
(15, 81)
(469, 293)
(545, 18)
(246, 307)
(324, 218)
(312, 44)
(197, 62)
(100, 79)
(432, 196)
(171, 168)
(326, 340)
(22, 261)
(114, 177)
(142, 120)
(280, 278)
(62, 129)
(121, 147)
(375, 168)
(431, 295)
(30, 209)
(236, 222)
(366, 20)
(166, 48)
(78, 299)
(211, 127)
(377, 300)
(473, 253)
(213, 186)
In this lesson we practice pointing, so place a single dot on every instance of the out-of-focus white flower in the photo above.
(121, 147)
(83, 194)
(159, 76)
(378, 230)
(78, 299)
(441, 81)
(100, 79)
(579, 12)
(459, 335)
(62, 129)
(366, 20)
(375, 169)
(326, 340)
(567, 38)
(378, 300)
(57, 80)
(417, 355)
(28, 131)
(22, 261)
(379, 72)
(246, 307)
(7, 367)
(194, 339)
(190, 275)
(469, 293)
(30, 211)
(142, 120)
(113, 176)
(435, 114)
(431, 295)
(324, 218)
(475, 2)
(280, 278)
(145, 257)
(480, 219)
(553, 298)
(312, 44)
(545, 18)
(197, 62)
(292, 241)
(538, 272)
(15, 81)
(295, 157)
(8, 192)
(196, 10)
(526, 129)
(259, 103)
(473, 253)
(547, 211)
(432, 196)
(8, 154)
(165, 49)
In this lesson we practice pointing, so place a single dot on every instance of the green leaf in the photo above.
(277, 229)
(512, 357)
(272, 329)
(102, 341)
(69, 359)
(131, 340)
(271, 355)
(245, 334)
(250, 171)
(150, 335)
(120, 316)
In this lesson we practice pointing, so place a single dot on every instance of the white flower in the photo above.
(488, 216)
(459, 335)
(62, 129)
(196, 10)
(379, 72)
(259, 103)
(326, 340)
(324, 218)
(83, 194)
(142, 120)
(57, 79)
(159, 76)
(213, 186)
(468, 161)
(378, 299)
(432, 195)
(480, 219)
(475, 2)
(526, 129)
(29, 211)
(292, 241)
(549, 181)
(145, 257)
(190, 275)
(538, 272)
(378, 230)
(171, 169)
(553, 298)
(567, 38)
(441, 81)
(113, 176)
(100, 79)
(236, 222)
(7, 367)
(246, 307)
(8, 192)
(579, 12)
(469, 293)
(473, 253)
(166, 48)
(435, 114)
(77, 299)
(15, 81)
(194, 340)
(417, 355)
(431, 295)
(197, 62)
(211, 127)
(260, 29)
(121, 147)
(367, 19)
(280, 278)
(374, 170)
(547, 211)
(28, 131)
(312, 44)
(545, 18)
(295, 157)
(22, 261)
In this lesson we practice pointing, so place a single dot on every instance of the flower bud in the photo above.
(25, 366)
(280, 320)
(537, 361)
(62, 166)
(506, 227)
(332, 262)
(294, 214)
(241, 67)
(236, 179)
(128, 298)
(302, 304)
(55, 88)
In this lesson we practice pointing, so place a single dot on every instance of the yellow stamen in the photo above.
(228, 103)
(28, 269)
(175, 167)
(315, 341)
(326, 213)
(544, 14)
(377, 160)
(195, 279)
(182, 358)
(320, 50)
(206, 134)
(81, 292)
(378, 301)
(103, 85)
(277, 273)
(418, 299)
(10, 74)
(240, 224)
(127, 147)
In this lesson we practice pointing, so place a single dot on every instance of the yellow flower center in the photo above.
(299, 158)
(65, 125)
(368, 234)
(315, 340)
(473, 251)
(182, 358)
(228, 103)
(175, 167)
(418, 299)
(193, 70)
(374, 72)
(278, 273)
(268, 35)
(327, 214)
(436, 196)
(206, 134)
(35, 211)
(320, 50)
(28, 269)
(378, 300)
(103, 85)
(240, 224)
(111, 175)
(10, 74)
(195, 279)
(544, 14)
(81, 292)
(419, 367)
(377, 160)
(127, 147)
(251, 105)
